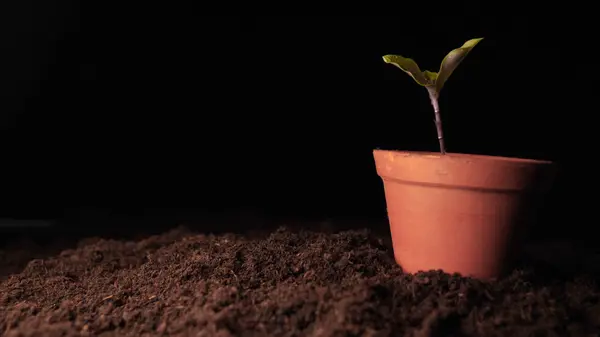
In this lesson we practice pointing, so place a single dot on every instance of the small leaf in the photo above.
(410, 67)
(452, 60)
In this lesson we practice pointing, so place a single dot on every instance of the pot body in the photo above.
(457, 212)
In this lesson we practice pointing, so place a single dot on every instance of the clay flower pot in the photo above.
(458, 212)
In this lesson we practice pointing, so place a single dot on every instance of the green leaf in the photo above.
(410, 67)
(431, 76)
(452, 60)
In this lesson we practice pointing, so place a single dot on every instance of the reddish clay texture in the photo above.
(286, 283)
(456, 212)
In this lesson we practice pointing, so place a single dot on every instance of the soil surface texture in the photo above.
(286, 283)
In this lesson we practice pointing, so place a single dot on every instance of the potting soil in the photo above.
(288, 283)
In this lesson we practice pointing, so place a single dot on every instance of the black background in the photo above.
(166, 109)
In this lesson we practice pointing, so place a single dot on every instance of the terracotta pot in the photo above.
(459, 212)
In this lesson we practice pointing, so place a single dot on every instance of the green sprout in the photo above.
(432, 81)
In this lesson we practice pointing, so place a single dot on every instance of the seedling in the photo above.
(432, 81)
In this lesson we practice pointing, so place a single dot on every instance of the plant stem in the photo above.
(433, 96)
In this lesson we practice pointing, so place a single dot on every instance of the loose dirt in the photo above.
(288, 283)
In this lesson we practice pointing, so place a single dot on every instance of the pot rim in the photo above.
(467, 156)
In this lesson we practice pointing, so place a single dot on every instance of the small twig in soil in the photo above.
(152, 299)
(237, 294)
(234, 275)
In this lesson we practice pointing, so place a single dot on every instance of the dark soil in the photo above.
(287, 284)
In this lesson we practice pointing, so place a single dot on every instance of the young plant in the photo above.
(434, 82)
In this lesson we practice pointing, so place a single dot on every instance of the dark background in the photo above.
(163, 109)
